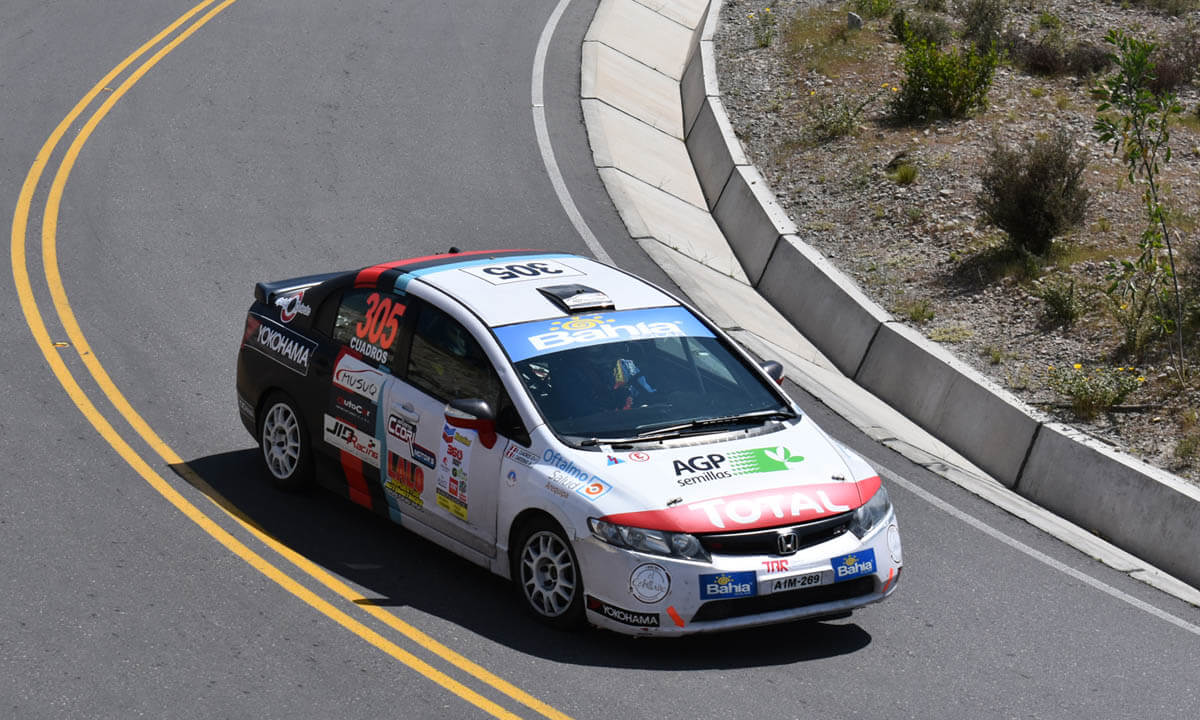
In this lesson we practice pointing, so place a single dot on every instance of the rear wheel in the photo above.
(547, 575)
(285, 444)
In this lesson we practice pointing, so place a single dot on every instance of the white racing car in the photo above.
(573, 428)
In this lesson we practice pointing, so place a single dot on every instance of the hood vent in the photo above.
(576, 298)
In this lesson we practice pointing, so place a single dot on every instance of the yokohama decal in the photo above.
(285, 347)
(759, 509)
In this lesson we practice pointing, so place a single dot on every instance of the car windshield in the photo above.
(636, 374)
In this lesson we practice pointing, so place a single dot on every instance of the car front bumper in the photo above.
(736, 591)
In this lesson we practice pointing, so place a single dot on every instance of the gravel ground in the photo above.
(921, 250)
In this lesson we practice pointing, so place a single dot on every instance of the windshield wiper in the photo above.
(669, 431)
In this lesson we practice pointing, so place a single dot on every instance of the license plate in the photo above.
(794, 582)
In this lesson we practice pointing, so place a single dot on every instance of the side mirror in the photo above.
(774, 370)
(473, 414)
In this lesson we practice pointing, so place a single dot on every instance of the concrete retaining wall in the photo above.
(1143, 510)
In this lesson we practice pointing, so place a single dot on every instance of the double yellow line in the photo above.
(206, 11)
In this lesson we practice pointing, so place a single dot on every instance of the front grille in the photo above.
(765, 542)
(741, 607)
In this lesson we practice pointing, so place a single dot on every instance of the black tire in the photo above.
(546, 575)
(285, 444)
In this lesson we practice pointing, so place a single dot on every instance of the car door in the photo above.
(442, 475)
(366, 332)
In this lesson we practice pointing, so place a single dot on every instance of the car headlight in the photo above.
(655, 542)
(871, 514)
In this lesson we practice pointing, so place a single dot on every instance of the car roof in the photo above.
(502, 287)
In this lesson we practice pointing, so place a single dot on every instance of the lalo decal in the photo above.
(405, 480)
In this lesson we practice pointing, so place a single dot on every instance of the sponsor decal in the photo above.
(557, 490)
(572, 477)
(525, 340)
(775, 566)
(245, 408)
(614, 460)
(278, 343)
(621, 615)
(375, 333)
(703, 468)
(721, 586)
(292, 305)
(453, 475)
(353, 409)
(754, 509)
(649, 583)
(354, 441)
(593, 489)
(368, 350)
(518, 454)
(405, 480)
(424, 456)
(639, 456)
(511, 478)
(848, 567)
(796, 582)
(501, 274)
(356, 376)
(400, 428)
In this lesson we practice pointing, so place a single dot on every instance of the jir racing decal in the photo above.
(356, 442)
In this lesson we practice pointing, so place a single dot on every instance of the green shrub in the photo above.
(904, 174)
(1177, 59)
(1091, 393)
(1177, 8)
(872, 9)
(1063, 305)
(949, 83)
(1046, 55)
(763, 25)
(1036, 192)
(983, 21)
(932, 5)
(838, 116)
(1084, 58)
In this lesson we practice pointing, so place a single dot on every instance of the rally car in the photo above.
(573, 428)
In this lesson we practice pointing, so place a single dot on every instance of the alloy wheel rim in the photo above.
(281, 441)
(548, 575)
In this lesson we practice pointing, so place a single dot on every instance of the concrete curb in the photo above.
(1142, 509)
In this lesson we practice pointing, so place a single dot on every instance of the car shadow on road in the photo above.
(400, 569)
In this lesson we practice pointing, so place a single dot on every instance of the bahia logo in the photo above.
(854, 565)
(727, 585)
(585, 329)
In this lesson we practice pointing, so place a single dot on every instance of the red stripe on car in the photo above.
(352, 467)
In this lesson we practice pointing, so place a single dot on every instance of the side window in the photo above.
(446, 362)
(369, 322)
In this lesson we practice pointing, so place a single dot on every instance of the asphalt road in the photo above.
(283, 138)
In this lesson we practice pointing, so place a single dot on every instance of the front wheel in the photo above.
(285, 444)
(547, 575)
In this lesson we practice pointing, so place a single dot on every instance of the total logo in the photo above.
(728, 585)
(748, 510)
(853, 565)
(584, 329)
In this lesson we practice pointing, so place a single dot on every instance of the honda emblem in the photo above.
(788, 543)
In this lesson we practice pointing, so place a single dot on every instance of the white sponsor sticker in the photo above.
(358, 377)
(521, 270)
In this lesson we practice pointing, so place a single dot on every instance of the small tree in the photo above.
(1140, 133)
(1036, 192)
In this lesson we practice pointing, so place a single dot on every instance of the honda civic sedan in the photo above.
(570, 427)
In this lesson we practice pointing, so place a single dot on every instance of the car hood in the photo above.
(789, 476)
